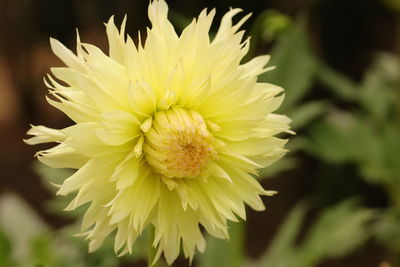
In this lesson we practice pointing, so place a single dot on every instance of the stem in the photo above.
(225, 253)
(237, 243)
(152, 250)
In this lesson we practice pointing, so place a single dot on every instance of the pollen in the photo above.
(179, 145)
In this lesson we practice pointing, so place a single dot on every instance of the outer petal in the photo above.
(43, 134)
(116, 40)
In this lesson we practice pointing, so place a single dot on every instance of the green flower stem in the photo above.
(225, 252)
(237, 243)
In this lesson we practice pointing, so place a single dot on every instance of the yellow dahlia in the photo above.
(167, 134)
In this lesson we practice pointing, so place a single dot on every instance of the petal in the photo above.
(42, 134)
(226, 29)
(96, 169)
(119, 128)
(116, 40)
(62, 156)
(83, 138)
(255, 67)
(66, 55)
(141, 98)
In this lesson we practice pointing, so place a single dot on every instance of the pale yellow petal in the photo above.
(62, 156)
(43, 134)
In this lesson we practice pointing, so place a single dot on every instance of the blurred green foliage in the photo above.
(337, 231)
(26, 240)
(367, 137)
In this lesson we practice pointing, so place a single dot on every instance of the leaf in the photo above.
(337, 232)
(266, 27)
(5, 249)
(281, 252)
(381, 164)
(284, 164)
(379, 85)
(391, 147)
(330, 143)
(337, 82)
(21, 223)
(376, 92)
(270, 23)
(386, 230)
(295, 65)
(50, 175)
(351, 138)
(42, 251)
(306, 113)
(225, 252)
(76, 248)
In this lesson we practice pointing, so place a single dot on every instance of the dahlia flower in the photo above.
(168, 134)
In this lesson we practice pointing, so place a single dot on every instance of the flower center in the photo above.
(178, 144)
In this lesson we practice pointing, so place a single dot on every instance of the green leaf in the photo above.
(350, 138)
(51, 175)
(42, 251)
(295, 65)
(284, 164)
(270, 23)
(387, 231)
(331, 143)
(267, 26)
(306, 113)
(343, 137)
(337, 232)
(379, 85)
(5, 249)
(337, 82)
(78, 247)
(281, 252)
(381, 164)
(22, 224)
(225, 252)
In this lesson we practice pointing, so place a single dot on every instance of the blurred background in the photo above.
(339, 200)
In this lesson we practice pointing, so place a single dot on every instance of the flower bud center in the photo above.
(178, 145)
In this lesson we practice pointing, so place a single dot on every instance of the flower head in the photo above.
(167, 134)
